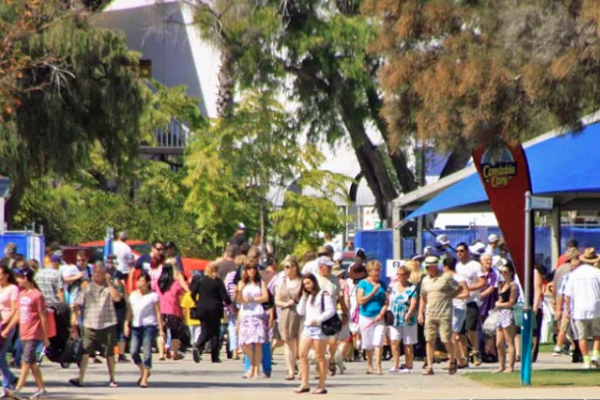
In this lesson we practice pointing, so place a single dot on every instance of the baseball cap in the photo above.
(25, 272)
(170, 245)
(477, 249)
(493, 238)
(241, 226)
(338, 256)
(55, 258)
(324, 260)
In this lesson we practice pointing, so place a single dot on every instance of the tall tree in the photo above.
(469, 72)
(85, 95)
(316, 50)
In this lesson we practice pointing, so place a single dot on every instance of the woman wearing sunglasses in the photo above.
(505, 329)
(288, 294)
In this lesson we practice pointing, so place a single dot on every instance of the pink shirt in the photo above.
(8, 295)
(169, 301)
(30, 323)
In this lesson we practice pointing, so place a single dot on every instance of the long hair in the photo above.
(11, 276)
(246, 275)
(166, 279)
(315, 283)
(415, 271)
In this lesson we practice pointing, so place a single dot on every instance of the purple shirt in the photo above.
(489, 302)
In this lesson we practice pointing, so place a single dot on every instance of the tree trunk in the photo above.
(226, 83)
(14, 202)
(458, 159)
(369, 159)
(405, 175)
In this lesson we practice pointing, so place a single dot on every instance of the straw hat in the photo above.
(589, 256)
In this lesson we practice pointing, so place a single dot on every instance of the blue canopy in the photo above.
(560, 164)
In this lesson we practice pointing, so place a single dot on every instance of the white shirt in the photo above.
(312, 309)
(471, 271)
(492, 251)
(311, 267)
(459, 304)
(124, 256)
(583, 285)
(142, 308)
(254, 290)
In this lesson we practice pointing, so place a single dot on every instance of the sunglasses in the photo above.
(404, 274)
(504, 272)
(160, 248)
(80, 260)
(251, 268)
(460, 251)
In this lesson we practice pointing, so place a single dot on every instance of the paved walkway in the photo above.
(186, 380)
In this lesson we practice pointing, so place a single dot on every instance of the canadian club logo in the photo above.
(498, 166)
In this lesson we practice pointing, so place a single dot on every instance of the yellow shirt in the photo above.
(186, 304)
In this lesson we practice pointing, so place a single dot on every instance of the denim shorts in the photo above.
(458, 319)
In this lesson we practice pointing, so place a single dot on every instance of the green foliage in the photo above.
(234, 165)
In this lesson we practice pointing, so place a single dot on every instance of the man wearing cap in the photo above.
(492, 247)
(472, 271)
(10, 255)
(435, 311)
(124, 256)
(99, 321)
(582, 298)
(51, 283)
(239, 237)
(312, 267)
(331, 284)
(560, 275)
(171, 251)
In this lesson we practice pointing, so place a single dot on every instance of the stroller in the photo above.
(62, 349)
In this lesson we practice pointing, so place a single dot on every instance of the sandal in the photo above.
(113, 385)
(76, 382)
(452, 367)
(428, 371)
(289, 377)
(332, 368)
(302, 390)
(319, 391)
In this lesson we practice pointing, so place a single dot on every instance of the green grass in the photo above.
(541, 378)
(546, 347)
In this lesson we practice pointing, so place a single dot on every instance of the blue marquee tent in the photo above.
(566, 167)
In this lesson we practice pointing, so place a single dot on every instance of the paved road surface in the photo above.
(186, 380)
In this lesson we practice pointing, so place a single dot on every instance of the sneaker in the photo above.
(560, 352)
(40, 394)
(595, 363)
(405, 371)
(15, 394)
(393, 370)
(123, 359)
(586, 366)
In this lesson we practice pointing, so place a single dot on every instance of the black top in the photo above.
(210, 294)
(505, 296)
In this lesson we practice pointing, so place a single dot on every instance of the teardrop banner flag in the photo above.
(504, 172)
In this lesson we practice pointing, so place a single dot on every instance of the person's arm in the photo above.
(179, 277)
(362, 298)
(264, 293)
(462, 291)
(383, 310)
(59, 288)
(72, 278)
(128, 318)
(341, 300)
(115, 294)
(301, 307)
(14, 296)
(161, 329)
(41, 309)
(422, 307)
(12, 323)
(559, 306)
(411, 309)
(223, 292)
(328, 310)
(538, 292)
(479, 285)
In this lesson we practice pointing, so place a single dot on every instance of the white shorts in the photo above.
(372, 333)
(314, 332)
(408, 334)
(354, 328)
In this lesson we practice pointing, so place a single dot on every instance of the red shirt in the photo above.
(31, 304)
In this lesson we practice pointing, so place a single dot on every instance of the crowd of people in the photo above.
(461, 304)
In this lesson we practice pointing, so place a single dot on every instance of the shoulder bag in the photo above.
(333, 325)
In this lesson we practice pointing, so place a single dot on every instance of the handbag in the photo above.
(388, 318)
(491, 322)
(333, 325)
(518, 315)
